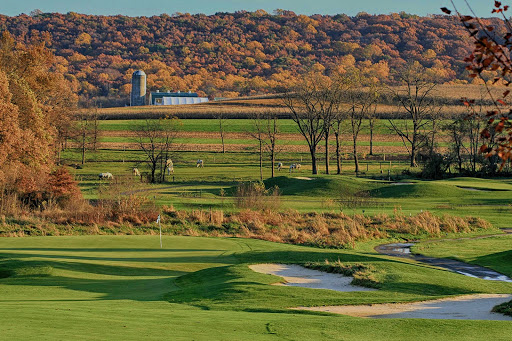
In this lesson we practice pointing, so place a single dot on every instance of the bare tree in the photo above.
(259, 135)
(222, 120)
(85, 132)
(372, 118)
(361, 103)
(416, 107)
(155, 139)
(313, 102)
(337, 128)
(266, 132)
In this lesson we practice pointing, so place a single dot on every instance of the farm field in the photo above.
(448, 95)
(125, 287)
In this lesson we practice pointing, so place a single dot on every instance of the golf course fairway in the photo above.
(127, 288)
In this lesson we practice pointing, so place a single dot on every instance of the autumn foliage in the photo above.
(35, 103)
(241, 53)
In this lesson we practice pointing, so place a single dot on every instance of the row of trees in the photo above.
(321, 105)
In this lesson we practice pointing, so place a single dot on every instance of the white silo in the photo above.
(138, 95)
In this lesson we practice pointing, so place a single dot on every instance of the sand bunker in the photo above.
(473, 189)
(299, 276)
(302, 178)
(401, 183)
(467, 307)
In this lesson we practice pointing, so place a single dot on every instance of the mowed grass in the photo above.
(127, 288)
(493, 252)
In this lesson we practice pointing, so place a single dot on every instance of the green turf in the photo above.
(126, 288)
(494, 252)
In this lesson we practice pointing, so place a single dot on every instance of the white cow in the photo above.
(135, 172)
(105, 176)
(297, 166)
(200, 163)
(170, 166)
(279, 166)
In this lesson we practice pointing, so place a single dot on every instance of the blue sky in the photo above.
(156, 7)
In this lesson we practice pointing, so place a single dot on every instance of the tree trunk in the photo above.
(413, 154)
(272, 159)
(312, 151)
(356, 159)
(153, 169)
(261, 160)
(338, 154)
(414, 144)
(83, 148)
(371, 137)
(327, 151)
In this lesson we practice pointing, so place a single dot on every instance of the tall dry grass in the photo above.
(336, 230)
(127, 213)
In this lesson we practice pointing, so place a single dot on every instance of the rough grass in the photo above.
(504, 308)
(326, 230)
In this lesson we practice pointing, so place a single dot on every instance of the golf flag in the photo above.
(159, 225)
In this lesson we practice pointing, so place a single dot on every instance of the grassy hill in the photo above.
(127, 288)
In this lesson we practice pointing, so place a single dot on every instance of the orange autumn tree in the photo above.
(35, 108)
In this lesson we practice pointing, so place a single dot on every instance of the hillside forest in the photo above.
(241, 53)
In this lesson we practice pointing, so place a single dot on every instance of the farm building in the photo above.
(138, 94)
(175, 98)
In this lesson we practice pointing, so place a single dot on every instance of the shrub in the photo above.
(254, 195)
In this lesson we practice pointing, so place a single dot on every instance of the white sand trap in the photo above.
(473, 189)
(299, 276)
(302, 178)
(467, 307)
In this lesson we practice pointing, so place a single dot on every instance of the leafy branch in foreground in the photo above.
(492, 54)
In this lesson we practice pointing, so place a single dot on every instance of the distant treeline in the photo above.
(242, 53)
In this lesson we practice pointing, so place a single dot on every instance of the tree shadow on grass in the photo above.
(131, 285)
(499, 261)
(222, 259)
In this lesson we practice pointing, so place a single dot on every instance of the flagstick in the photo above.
(160, 225)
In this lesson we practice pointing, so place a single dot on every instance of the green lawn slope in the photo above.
(127, 288)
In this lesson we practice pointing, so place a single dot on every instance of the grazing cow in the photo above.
(297, 166)
(106, 176)
(200, 163)
(169, 166)
(279, 166)
(292, 167)
(135, 172)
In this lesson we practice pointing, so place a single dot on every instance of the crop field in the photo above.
(447, 95)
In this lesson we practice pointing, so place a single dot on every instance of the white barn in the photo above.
(175, 98)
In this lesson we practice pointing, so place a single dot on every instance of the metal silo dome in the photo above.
(139, 73)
